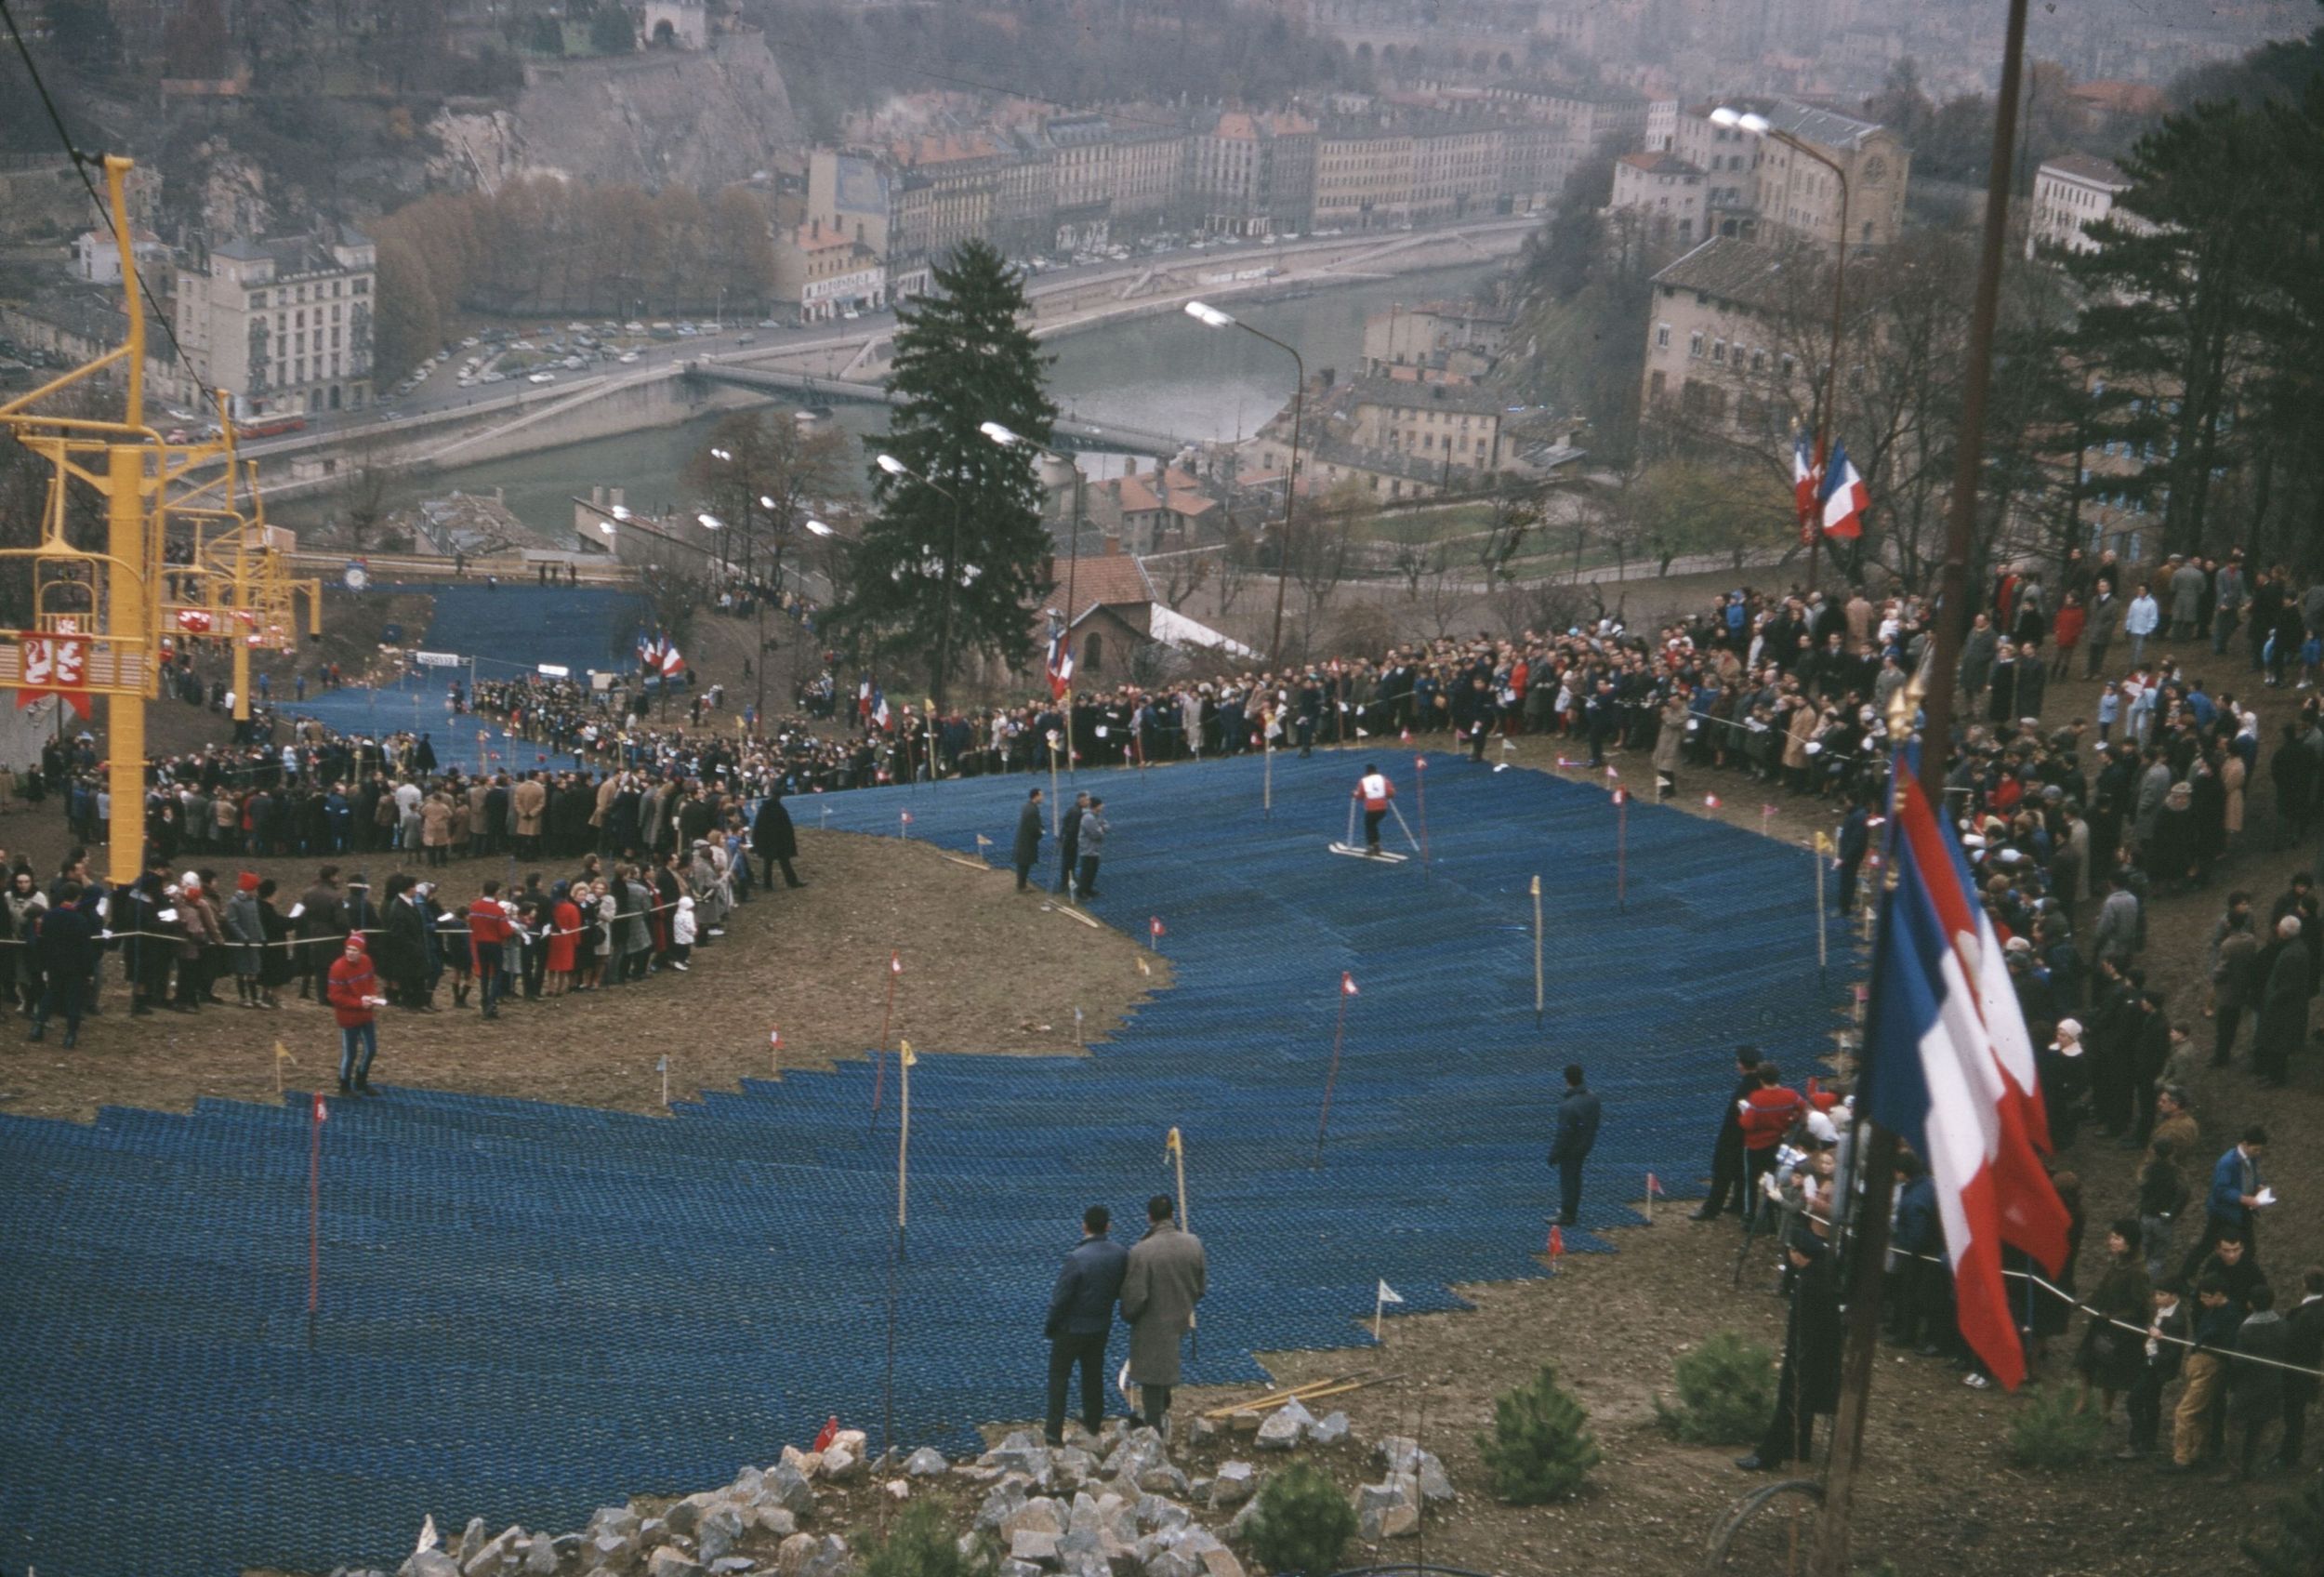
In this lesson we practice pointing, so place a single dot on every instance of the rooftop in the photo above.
(1728, 269)
(2084, 167)
(1660, 164)
(1805, 122)
(1109, 580)
(1410, 395)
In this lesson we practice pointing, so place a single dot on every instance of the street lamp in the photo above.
(1210, 317)
(1009, 440)
(896, 468)
(1759, 126)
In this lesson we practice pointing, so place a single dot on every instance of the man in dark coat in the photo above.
(1027, 850)
(1080, 1315)
(64, 951)
(2304, 1350)
(1069, 844)
(2283, 1025)
(1576, 1133)
(1809, 1382)
(1727, 1151)
(1166, 1278)
(776, 840)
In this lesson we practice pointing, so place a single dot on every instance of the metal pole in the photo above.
(1073, 563)
(1828, 1555)
(1537, 953)
(1291, 485)
(1339, 1033)
(314, 1219)
(1832, 370)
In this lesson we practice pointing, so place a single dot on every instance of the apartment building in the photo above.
(2072, 192)
(1663, 194)
(1363, 179)
(1761, 186)
(1444, 423)
(1714, 367)
(820, 273)
(283, 326)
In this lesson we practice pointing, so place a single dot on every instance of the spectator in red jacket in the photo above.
(1768, 1115)
(353, 992)
(489, 929)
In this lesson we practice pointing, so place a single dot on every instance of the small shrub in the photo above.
(2049, 1433)
(1540, 1448)
(1726, 1392)
(920, 1545)
(1302, 1522)
(2295, 1545)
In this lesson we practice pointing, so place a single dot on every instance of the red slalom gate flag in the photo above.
(1347, 983)
(1557, 1246)
(895, 963)
(1711, 800)
(829, 1433)
(1654, 1189)
(322, 1111)
(1155, 925)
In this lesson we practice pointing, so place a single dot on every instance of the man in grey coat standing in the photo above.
(1165, 1280)
(1093, 830)
(1577, 1135)
(1027, 848)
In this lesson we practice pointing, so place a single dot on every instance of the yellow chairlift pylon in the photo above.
(95, 622)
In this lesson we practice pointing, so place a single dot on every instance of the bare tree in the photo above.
(1183, 573)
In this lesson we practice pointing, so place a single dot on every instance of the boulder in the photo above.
(805, 1463)
(1220, 1561)
(1330, 1429)
(840, 1465)
(1234, 1483)
(471, 1539)
(746, 1485)
(853, 1440)
(668, 1562)
(493, 1554)
(900, 1488)
(540, 1557)
(610, 1552)
(1173, 1563)
(1040, 1515)
(1199, 1429)
(788, 1488)
(611, 1519)
(1004, 1499)
(792, 1556)
(1020, 1451)
(429, 1563)
(926, 1463)
(1285, 1427)
(776, 1521)
(682, 1517)
(831, 1558)
(1246, 1421)
(1400, 1453)
(1033, 1545)
(727, 1566)
(1019, 1568)
(1435, 1486)
(1390, 1509)
(1163, 1479)
(719, 1530)
(1154, 1513)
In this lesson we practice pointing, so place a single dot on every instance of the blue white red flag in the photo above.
(1059, 665)
(1845, 497)
(1951, 1072)
(1803, 483)
(880, 707)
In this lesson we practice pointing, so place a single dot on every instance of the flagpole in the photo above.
(1823, 940)
(1177, 1153)
(1828, 1557)
(314, 1220)
(1420, 771)
(1339, 1033)
(880, 1068)
(1537, 952)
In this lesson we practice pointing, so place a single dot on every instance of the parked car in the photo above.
(541, 377)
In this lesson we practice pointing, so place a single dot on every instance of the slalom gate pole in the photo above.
(1338, 1034)
(1537, 953)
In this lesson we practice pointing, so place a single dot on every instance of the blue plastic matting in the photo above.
(530, 1310)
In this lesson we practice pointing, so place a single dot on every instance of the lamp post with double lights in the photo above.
(1009, 440)
(1759, 126)
(1210, 317)
(896, 468)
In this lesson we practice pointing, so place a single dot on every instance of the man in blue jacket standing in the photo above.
(1080, 1317)
(1577, 1132)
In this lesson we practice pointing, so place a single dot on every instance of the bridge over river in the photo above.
(1066, 433)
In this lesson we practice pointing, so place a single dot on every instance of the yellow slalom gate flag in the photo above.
(1173, 1145)
(282, 1053)
(909, 1060)
(1824, 844)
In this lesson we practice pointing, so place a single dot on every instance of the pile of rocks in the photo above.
(1112, 1504)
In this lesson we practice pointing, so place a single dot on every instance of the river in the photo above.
(1164, 373)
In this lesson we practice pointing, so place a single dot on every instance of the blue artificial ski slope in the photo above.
(529, 1310)
(508, 630)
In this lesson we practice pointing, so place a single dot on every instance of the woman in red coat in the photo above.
(565, 936)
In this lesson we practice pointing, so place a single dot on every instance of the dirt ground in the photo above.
(1942, 1495)
(812, 963)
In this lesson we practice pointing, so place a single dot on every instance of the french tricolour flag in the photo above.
(1952, 1073)
(1061, 665)
(1845, 497)
(1804, 480)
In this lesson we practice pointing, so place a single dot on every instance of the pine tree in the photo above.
(1540, 1447)
(954, 563)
